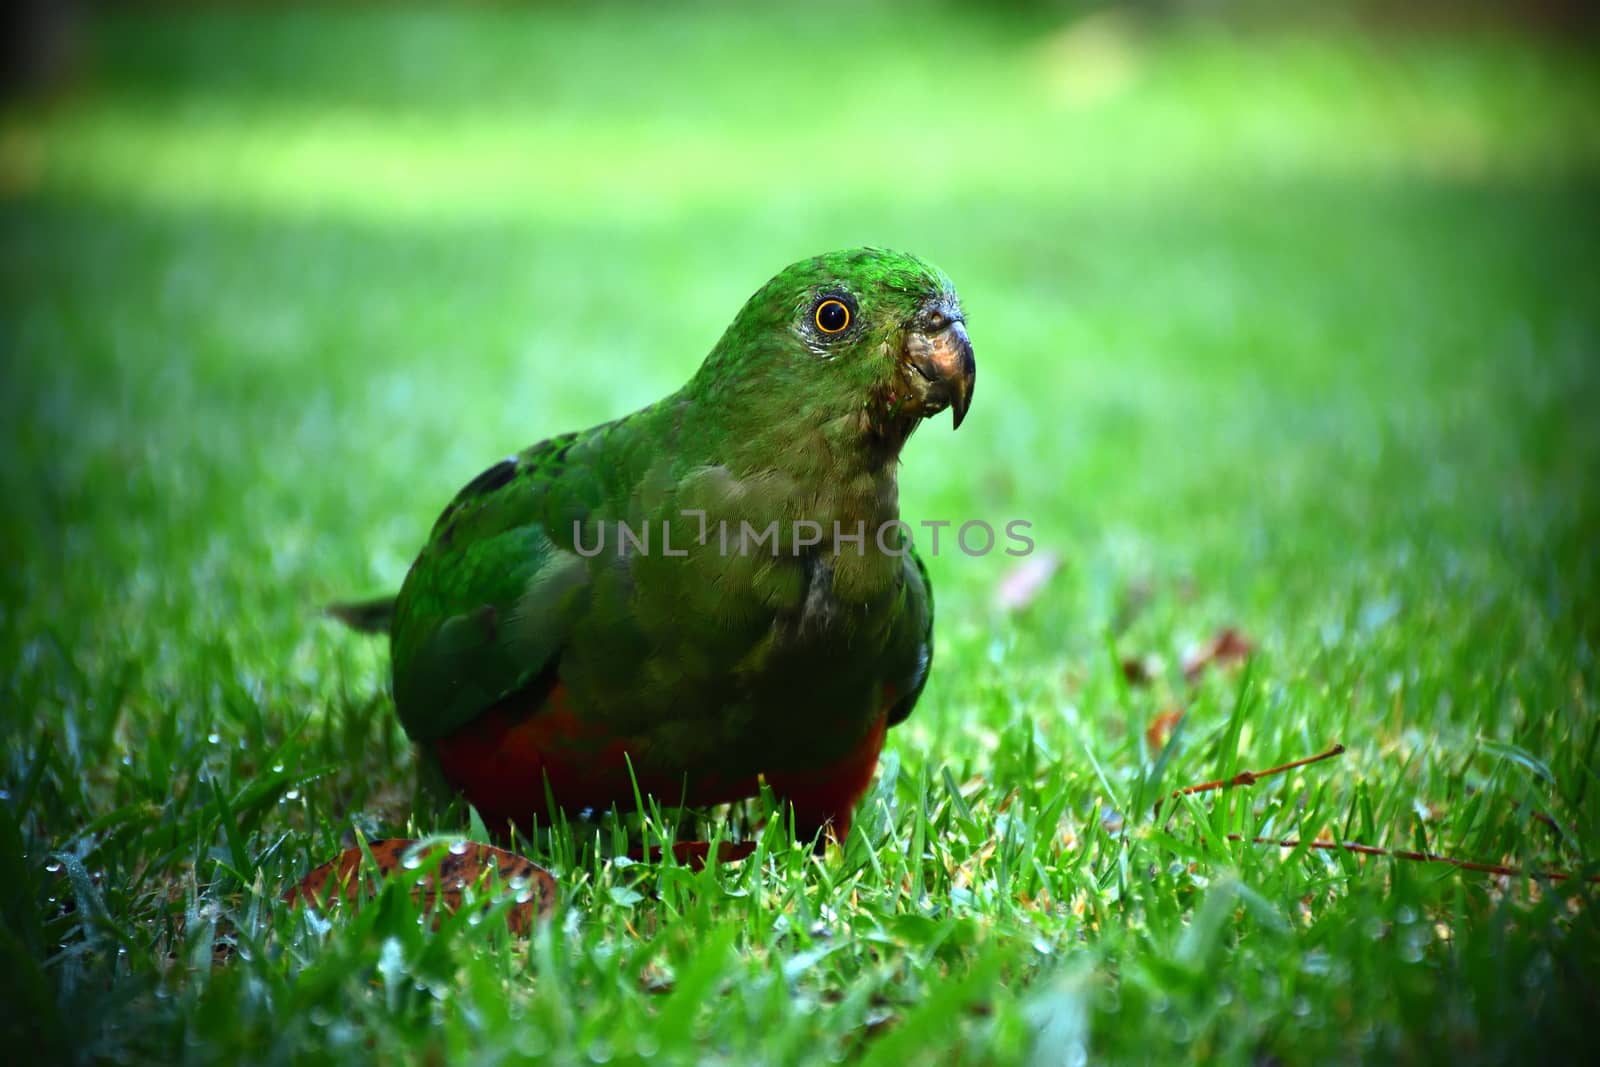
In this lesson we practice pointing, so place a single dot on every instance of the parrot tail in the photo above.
(368, 616)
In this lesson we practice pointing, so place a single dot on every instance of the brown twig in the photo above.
(1408, 854)
(1252, 777)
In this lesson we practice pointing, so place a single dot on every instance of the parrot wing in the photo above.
(490, 600)
(911, 644)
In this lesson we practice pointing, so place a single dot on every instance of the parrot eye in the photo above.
(832, 316)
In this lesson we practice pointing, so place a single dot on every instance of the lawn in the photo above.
(1288, 329)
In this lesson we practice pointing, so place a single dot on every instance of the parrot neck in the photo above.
(816, 465)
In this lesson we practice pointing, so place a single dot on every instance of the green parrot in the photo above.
(710, 593)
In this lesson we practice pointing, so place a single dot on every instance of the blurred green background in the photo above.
(303, 270)
(1284, 319)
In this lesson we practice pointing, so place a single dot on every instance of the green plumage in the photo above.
(716, 656)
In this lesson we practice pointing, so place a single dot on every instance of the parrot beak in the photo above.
(942, 370)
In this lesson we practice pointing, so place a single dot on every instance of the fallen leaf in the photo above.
(1160, 728)
(1139, 671)
(466, 865)
(654, 979)
(1136, 598)
(1228, 646)
(1023, 583)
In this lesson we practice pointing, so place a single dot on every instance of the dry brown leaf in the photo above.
(1228, 646)
(465, 865)
(1136, 597)
(1022, 584)
(1140, 671)
(1161, 727)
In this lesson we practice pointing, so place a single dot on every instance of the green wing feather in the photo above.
(490, 599)
(914, 627)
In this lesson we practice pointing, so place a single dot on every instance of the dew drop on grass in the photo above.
(277, 768)
(53, 866)
(600, 1051)
(214, 737)
(1413, 943)
(458, 848)
(292, 795)
(411, 860)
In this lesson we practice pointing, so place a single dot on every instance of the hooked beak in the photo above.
(943, 370)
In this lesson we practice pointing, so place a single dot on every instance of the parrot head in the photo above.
(866, 338)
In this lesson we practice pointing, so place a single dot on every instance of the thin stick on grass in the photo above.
(1252, 777)
(1414, 856)
(1411, 855)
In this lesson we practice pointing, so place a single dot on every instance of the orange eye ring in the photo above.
(832, 316)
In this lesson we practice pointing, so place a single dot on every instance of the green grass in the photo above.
(1292, 330)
